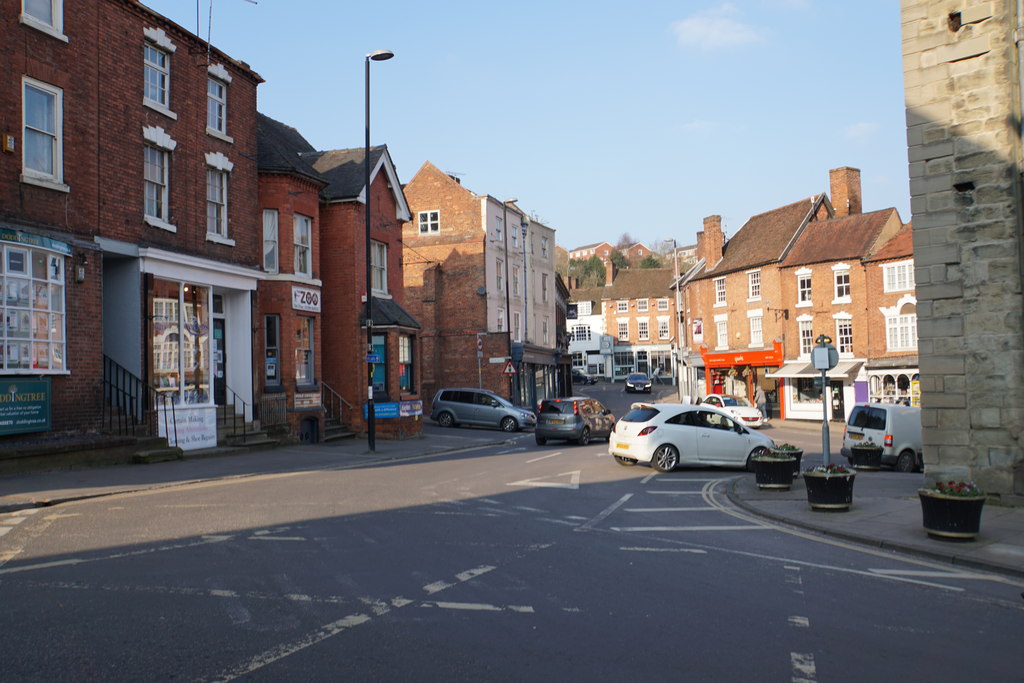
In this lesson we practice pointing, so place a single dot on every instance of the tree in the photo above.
(650, 261)
(619, 260)
(625, 240)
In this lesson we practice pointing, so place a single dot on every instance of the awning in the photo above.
(843, 370)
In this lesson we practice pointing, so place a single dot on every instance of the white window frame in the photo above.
(719, 291)
(54, 27)
(756, 319)
(664, 329)
(161, 185)
(517, 326)
(622, 330)
(662, 305)
(33, 299)
(157, 77)
(544, 287)
(898, 276)
(379, 266)
(584, 308)
(753, 285)
(302, 242)
(158, 139)
(53, 132)
(901, 328)
(804, 292)
(544, 332)
(501, 320)
(217, 205)
(844, 334)
(515, 281)
(581, 333)
(643, 329)
(805, 335)
(544, 247)
(841, 290)
(622, 306)
(216, 106)
(271, 246)
(641, 305)
(721, 334)
(429, 221)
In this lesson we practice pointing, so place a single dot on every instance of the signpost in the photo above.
(824, 357)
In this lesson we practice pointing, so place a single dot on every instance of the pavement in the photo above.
(886, 512)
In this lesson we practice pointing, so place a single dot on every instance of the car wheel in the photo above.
(665, 458)
(540, 440)
(760, 450)
(907, 462)
(446, 419)
(625, 462)
(509, 424)
(584, 437)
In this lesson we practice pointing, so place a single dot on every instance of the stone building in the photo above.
(963, 97)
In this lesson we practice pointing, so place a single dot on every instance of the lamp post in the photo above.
(371, 425)
(679, 326)
(508, 306)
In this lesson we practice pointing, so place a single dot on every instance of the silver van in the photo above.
(896, 428)
(457, 406)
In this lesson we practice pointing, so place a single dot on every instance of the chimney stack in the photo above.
(711, 241)
(845, 187)
(609, 273)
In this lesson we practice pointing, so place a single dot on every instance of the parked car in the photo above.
(671, 434)
(459, 406)
(576, 418)
(580, 377)
(638, 381)
(896, 428)
(738, 407)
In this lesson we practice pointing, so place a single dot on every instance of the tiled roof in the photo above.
(849, 237)
(900, 245)
(344, 170)
(630, 283)
(388, 313)
(762, 239)
(279, 148)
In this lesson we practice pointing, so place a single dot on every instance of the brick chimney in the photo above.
(609, 273)
(711, 241)
(845, 186)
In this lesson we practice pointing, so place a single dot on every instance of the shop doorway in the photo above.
(219, 362)
(838, 405)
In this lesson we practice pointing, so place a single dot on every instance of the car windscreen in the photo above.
(733, 401)
(640, 415)
(638, 378)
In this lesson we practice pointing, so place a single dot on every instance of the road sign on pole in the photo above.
(509, 368)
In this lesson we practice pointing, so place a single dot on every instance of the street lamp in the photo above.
(508, 306)
(679, 327)
(371, 425)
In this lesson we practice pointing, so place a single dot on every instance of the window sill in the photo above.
(214, 237)
(751, 299)
(842, 300)
(273, 389)
(42, 27)
(44, 182)
(214, 133)
(720, 304)
(159, 223)
(306, 388)
(159, 108)
(803, 304)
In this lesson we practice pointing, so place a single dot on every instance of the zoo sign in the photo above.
(306, 299)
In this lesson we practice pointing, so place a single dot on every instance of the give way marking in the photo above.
(572, 483)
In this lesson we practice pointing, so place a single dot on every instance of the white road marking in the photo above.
(931, 574)
(604, 513)
(205, 540)
(5, 529)
(696, 509)
(665, 550)
(543, 457)
(479, 606)
(675, 493)
(473, 573)
(802, 622)
(437, 587)
(804, 670)
(689, 528)
(574, 481)
(277, 538)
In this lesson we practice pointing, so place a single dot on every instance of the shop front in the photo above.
(895, 380)
(738, 373)
(802, 394)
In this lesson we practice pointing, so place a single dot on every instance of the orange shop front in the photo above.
(736, 372)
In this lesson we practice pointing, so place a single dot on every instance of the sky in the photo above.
(602, 118)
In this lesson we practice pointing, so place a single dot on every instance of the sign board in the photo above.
(307, 401)
(195, 427)
(509, 368)
(25, 406)
(479, 343)
(395, 409)
(306, 299)
(373, 358)
(495, 360)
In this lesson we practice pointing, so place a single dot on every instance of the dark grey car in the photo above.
(576, 418)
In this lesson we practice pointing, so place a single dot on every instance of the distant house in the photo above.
(637, 252)
(602, 250)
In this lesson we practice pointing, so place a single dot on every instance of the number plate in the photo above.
(622, 446)
(855, 436)
(557, 422)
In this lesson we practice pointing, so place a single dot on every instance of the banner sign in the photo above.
(25, 405)
(395, 409)
(306, 299)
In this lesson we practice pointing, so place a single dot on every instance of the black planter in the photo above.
(866, 457)
(774, 474)
(829, 492)
(798, 454)
(950, 518)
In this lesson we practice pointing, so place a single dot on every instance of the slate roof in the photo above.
(849, 237)
(279, 148)
(765, 238)
(344, 170)
(630, 283)
(388, 313)
(900, 245)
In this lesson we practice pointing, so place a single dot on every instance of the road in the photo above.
(506, 563)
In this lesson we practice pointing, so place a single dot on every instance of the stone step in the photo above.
(152, 455)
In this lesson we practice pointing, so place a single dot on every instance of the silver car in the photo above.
(453, 407)
(576, 418)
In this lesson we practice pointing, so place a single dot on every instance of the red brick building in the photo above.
(127, 186)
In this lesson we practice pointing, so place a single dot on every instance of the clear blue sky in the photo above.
(603, 118)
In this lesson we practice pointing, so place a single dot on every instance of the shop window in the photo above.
(180, 340)
(272, 350)
(405, 364)
(807, 390)
(304, 370)
(623, 363)
(33, 311)
(380, 370)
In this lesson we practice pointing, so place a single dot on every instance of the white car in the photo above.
(737, 407)
(671, 434)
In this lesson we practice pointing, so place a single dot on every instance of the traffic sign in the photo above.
(373, 358)
(479, 343)
(509, 368)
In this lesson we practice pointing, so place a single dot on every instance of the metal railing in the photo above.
(233, 403)
(333, 403)
(273, 410)
(130, 403)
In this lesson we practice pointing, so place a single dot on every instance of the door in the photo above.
(219, 362)
(719, 442)
(838, 408)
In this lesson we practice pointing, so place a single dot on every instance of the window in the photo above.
(803, 288)
(806, 337)
(32, 282)
(641, 305)
(623, 363)
(302, 236)
(45, 15)
(272, 349)
(516, 327)
(379, 266)
(663, 329)
(623, 330)
(720, 291)
(515, 237)
(501, 320)
(216, 202)
(515, 280)
(380, 370)
(499, 228)
(429, 221)
(216, 105)
(662, 305)
(722, 329)
(842, 282)
(901, 328)
(581, 333)
(584, 307)
(621, 306)
(544, 247)
(270, 246)
(643, 330)
(754, 284)
(756, 330)
(405, 364)
(499, 268)
(158, 75)
(181, 349)
(899, 276)
(43, 147)
(544, 287)
(155, 174)
(304, 351)
(844, 337)
(544, 332)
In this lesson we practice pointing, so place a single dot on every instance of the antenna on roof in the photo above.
(209, 26)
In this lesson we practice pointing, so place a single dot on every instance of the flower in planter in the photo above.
(773, 456)
(961, 489)
(829, 469)
(787, 447)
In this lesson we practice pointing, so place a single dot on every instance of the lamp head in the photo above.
(380, 55)
(511, 200)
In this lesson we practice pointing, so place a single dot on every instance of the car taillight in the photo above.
(646, 430)
(888, 440)
(575, 408)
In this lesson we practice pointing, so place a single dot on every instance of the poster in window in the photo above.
(698, 331)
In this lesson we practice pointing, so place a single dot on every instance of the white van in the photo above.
(896, 428)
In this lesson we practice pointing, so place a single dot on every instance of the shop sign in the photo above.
(395, 409)
(28, 239)
(25, 406)
(307, 401)
(767, 357)
(195, 427)
(306, 299)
